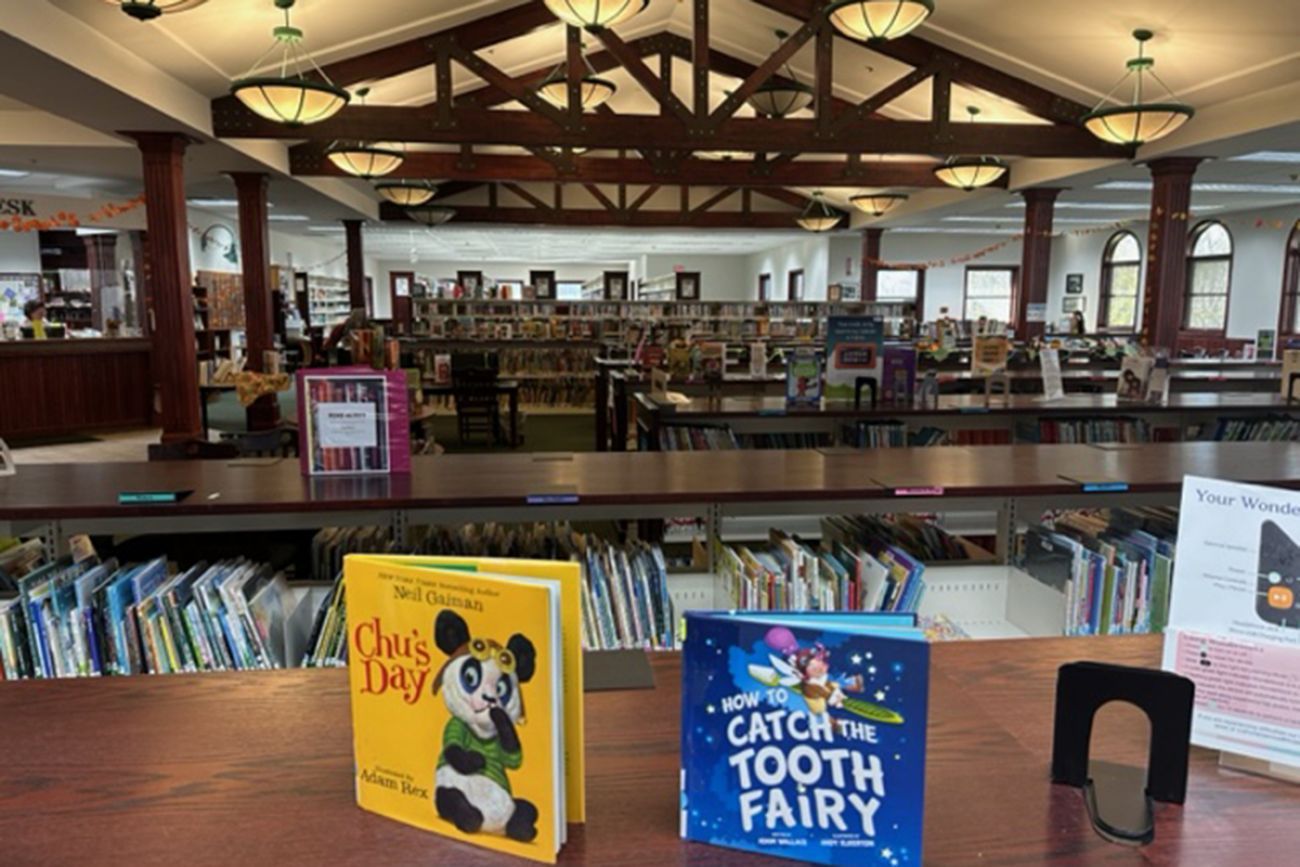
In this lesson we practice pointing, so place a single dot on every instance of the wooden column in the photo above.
(170, 280)
(1162, 297)
(870, 258)
(356, 266)
(1035, 260)
(255, 255)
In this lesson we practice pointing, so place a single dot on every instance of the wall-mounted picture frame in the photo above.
(543, 284)
(1073, 284)
(688, 285)
(616, 285)
(1074, 302)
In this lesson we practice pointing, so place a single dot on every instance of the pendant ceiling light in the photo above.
(970, 173)
(408, 194)
(301, 93)
(595, 14)
(593, 91)
(366, 159)
(147, 10)
(878, 20)
(1139, 121)
(878, 204)
(430, 216)
(819, 216)
(561, 151)
(781, 98)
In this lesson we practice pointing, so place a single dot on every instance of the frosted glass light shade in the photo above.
(365, 161)
(878, 20)
(779, 99)
(818, 223)
(293, 101)
(595, 14)
(1137, 124)
(430, 216)
(593, 92)
(878, 204)
(970, 173)
(145, 10)
(408, 194)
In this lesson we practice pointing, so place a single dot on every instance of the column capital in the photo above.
(1041, 194)
(154, 143)
(1174, 165)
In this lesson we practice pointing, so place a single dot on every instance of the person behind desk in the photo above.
(37, 328)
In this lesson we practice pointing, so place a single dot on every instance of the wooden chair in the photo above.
(478, 405)
(192, 450)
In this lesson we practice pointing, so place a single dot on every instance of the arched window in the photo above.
(1291, 284)
(1121, 270)
(1209, 274)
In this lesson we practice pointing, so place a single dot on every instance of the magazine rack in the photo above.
(1119, 805)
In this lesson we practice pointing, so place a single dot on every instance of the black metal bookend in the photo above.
(1119, 805)
(858, 384)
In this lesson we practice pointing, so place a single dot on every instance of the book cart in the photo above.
(722, 490)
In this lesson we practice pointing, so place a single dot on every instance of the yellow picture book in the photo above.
(466, 682)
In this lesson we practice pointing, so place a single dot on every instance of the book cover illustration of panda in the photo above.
(458, 712)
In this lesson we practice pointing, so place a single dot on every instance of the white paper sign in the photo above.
(1050, 360)
(1234, 617)
(346, 425)
(1036, 311)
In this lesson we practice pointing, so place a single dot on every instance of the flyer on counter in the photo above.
(1234, 618)
(354, 420)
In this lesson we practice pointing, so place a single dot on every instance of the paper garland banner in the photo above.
(70, 220)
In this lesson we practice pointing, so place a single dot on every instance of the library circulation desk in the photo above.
(256, 768)
(55, 386)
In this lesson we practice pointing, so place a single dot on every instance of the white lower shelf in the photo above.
(986, 600)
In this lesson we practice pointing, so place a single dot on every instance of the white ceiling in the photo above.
(1214, 55)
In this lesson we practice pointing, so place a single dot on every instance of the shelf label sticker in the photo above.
(135, 498)
(972, 410)
(1105, 487)
(919, 492)
(551, 499)
(780, 411)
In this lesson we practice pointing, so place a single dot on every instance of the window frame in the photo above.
(1189, 277)
(1290, 305)
(765, 286)
(1013, 270)
(1106, 287)
(789, 285)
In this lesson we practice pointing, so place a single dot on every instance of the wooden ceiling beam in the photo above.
(765, 70)
(651, 83)
(878, 100)
(915, 51)
(782, 171)
(601, 217)
(527, 129)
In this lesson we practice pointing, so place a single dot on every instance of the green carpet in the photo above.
(542, 433)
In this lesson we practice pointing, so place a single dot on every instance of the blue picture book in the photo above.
(803, 735)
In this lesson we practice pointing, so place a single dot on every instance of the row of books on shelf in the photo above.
(1114, 566)
(625, 600)
(99, 618)
(862, 563)
(1094, 430)
(1275, 429)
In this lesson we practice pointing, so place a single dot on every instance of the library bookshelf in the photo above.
(719, 490)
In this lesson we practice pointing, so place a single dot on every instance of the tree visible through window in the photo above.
(989, 292)
(897, 284)
(1209, 275)
(1121, 270)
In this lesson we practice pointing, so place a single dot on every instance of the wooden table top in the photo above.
(50, 491)
(1015, 404)
(256, 768)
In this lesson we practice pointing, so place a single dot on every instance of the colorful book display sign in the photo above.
(853, 350)
(898, 382)
(803, 376)
(803, 735)
(353, 420)
(466, 680)
(1234, 618)
(989, 353)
